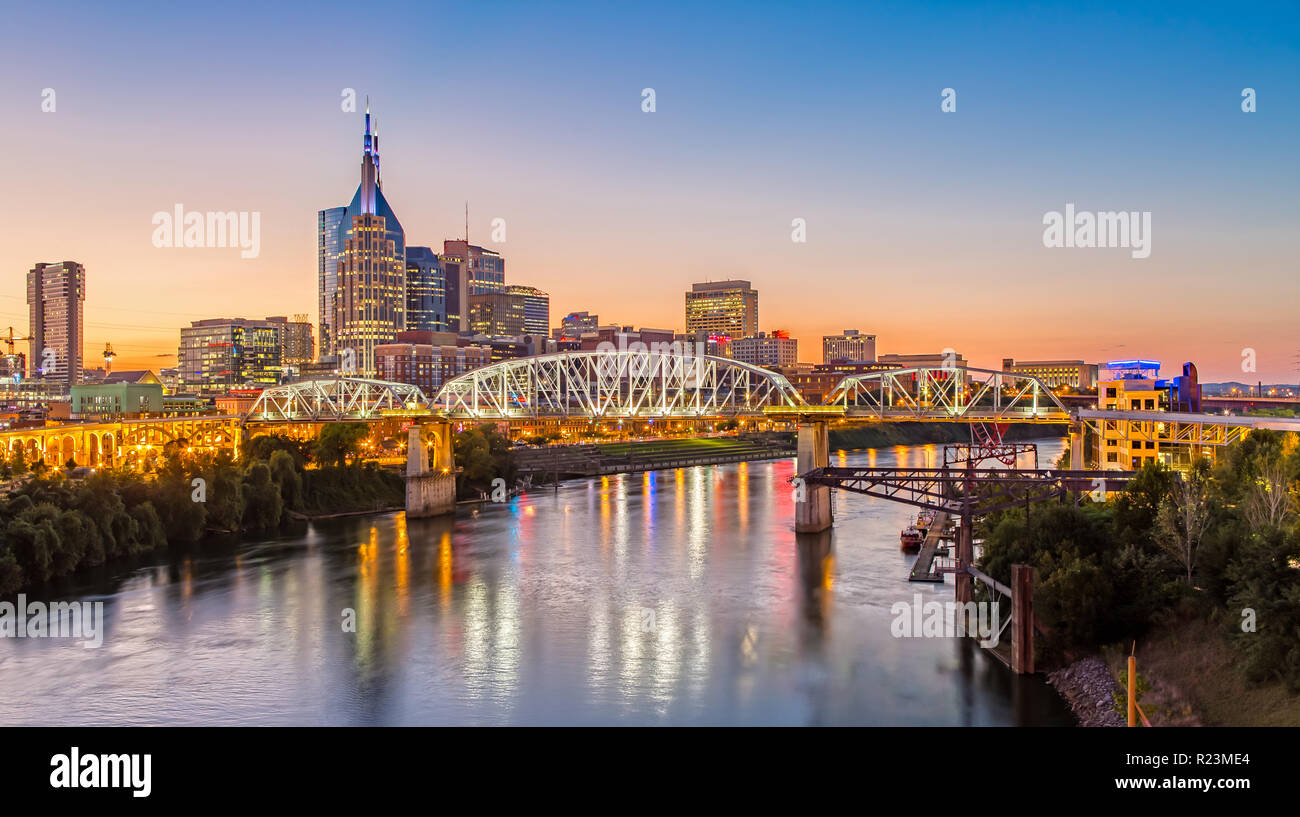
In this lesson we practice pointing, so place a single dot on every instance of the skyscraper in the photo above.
(370, 300)
(470, 270)
(328, 246)
(537, 309)
(426, 291)
(722, 308)
(56, 295)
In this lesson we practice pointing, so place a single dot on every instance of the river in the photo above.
(671, 597)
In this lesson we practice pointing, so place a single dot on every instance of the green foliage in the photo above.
(1265, 578)
(482, 454)
(339, 441)
(266, 446)
(263, 504)
(284, 472)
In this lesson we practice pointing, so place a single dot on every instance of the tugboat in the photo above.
(912, 538)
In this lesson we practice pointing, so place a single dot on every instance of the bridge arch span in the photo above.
(624, 383)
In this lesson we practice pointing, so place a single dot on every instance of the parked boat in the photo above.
(912, 538)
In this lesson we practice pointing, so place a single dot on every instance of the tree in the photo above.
(1184, 516)
(263, 505)
(338, 441)
(284, 473)
(1270, 497)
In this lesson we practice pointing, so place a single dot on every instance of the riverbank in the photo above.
(1088, 687)
(1193, 678)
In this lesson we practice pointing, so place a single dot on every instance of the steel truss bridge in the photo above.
(337, 399)
(616, 384)
(954, 393)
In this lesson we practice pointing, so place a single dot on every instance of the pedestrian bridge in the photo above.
(616, 385)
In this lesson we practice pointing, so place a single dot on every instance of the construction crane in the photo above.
(109, 354)
(12, 359)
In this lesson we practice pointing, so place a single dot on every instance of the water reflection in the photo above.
(667, 597)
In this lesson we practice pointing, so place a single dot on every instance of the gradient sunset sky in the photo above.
(923, 227)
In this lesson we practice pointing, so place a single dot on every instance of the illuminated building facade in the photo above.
(470, 270)
(766, 350)
(727, 308)
(1074, 374)
(56, 295)
(426, 291)
(537, 309)
(220, 354)
(849, 346)
(370, 301)
(328, 247)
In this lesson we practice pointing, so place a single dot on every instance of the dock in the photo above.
(923, 569)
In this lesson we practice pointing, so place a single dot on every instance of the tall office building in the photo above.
(220, 354)
(370, 300)
(537, 309)
(426, 291)
(328, 247)
(497, 313)
(851, 346)
(727, 308)
(296, 343)
(56, 295)
(470, 270)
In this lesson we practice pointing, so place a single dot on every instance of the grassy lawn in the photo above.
(1189, 667)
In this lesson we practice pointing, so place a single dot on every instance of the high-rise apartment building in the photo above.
(56, 295)
(849, 346)
(370, 301)
(727, 308)
(220, 354)
(470, 270)
(426, 291)
(537, 309)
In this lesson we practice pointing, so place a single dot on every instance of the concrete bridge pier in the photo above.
(430, 481)
(1076, 446)
(812, 509)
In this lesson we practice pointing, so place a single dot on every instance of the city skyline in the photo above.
(897, 214)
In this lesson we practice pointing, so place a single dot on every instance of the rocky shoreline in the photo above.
(1086, 685)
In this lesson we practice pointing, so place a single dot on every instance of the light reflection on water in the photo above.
(669, 597)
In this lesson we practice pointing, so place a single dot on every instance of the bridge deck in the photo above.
(923, 568)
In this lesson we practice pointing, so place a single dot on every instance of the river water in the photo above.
(673, 597)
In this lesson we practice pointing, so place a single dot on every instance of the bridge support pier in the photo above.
(430, 486)
(812, 511)
(1076, 447)
(1022, 619)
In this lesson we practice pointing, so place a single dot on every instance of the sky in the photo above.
(923, 227)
